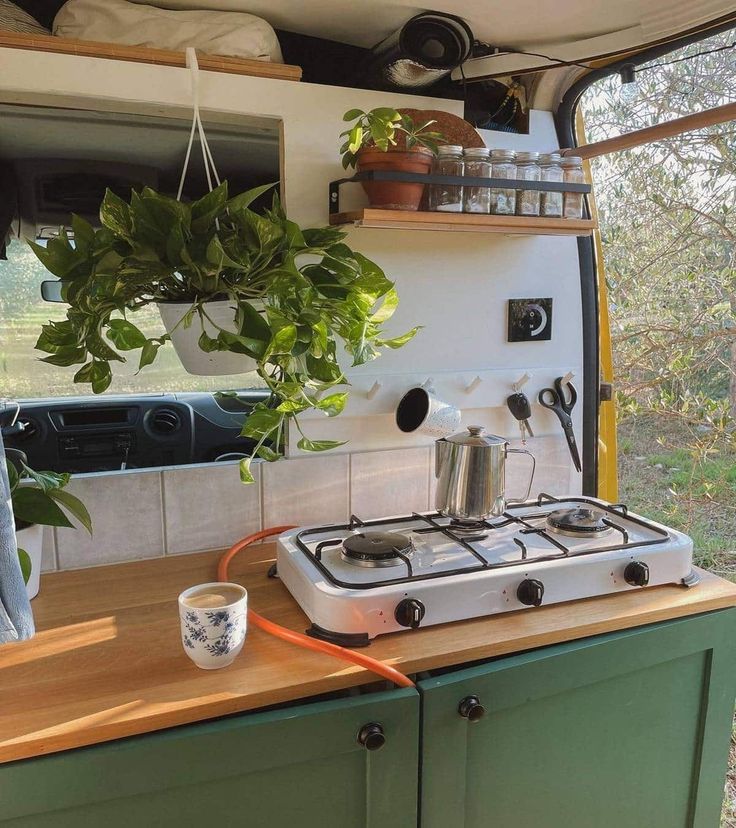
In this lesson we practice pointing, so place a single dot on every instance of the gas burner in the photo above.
(469, 530)
(582, 522)
(374, 549)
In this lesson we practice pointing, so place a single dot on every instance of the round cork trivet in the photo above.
(454, 129)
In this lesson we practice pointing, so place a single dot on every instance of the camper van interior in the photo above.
(310, 504)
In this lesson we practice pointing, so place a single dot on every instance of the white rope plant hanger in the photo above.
(209, 163)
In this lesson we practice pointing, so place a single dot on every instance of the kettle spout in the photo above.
(441, 450)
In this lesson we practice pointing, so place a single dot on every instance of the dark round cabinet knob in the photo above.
(371, 736)
(637, 573)
(530, 592)
(471, 709)
(409, 613)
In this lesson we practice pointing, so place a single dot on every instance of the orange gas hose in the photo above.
(299, 639)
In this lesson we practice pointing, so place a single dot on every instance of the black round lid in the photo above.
(375, 546)
(581, 520)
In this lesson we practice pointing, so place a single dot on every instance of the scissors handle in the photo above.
(566, 405)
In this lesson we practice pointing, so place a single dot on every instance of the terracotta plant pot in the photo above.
(395, 195)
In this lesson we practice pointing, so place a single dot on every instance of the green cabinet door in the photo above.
(297, 767)
(628, 730)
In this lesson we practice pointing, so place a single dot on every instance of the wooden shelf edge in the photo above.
(465, 222)
(144, 54)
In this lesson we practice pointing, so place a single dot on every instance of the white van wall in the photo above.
(455, 284)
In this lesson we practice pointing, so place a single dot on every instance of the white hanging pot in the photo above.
(31, 539)
(186, 340)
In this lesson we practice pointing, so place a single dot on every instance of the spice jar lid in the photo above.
(503, 155)
(572, 161)
(521, 157)
(477, 152)
(449, 149)
(550, 158)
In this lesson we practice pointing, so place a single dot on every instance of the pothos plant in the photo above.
(383, 128)
(39, 497)
(297, 294)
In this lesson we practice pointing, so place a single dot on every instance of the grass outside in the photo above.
(693, 490)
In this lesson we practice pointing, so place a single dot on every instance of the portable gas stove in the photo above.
(366, 578)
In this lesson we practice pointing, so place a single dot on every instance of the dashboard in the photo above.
(89, 434)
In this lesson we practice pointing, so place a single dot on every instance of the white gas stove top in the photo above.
(365, 578)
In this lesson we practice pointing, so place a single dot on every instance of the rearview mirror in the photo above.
(51, 290)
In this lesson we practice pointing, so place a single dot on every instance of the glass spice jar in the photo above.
(447, 198)
(527, 169)
(477, 164)
(503, 200)
(550, 204)
(572, 173)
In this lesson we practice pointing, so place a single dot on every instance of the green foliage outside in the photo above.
(668, 222)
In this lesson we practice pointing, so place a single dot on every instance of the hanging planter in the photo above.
(246, 283)
(384, 139)
(210, 318)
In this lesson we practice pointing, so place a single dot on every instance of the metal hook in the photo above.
(373, 390)
(473, 385)
(520, 383)
(567, 378)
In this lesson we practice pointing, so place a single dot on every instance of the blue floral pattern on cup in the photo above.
(212, 638)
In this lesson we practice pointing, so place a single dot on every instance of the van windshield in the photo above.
(24, 376)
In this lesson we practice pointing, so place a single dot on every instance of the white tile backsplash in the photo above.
(207, 507)
(142, 514)
(306, 491)
(48, 550)
(127, 519)
(386, 483)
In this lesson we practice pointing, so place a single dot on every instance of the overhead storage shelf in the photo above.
(144, 54)
(466, 222)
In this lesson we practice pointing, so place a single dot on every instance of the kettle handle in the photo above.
(531, 476)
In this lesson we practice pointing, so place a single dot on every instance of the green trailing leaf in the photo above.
(115, 215)
(318, 445)
(333, 404)
(74, 506)
(125, 335)
(101, 376)
(246, 476)
(35, 506)
(149, 352)
(399, 341)
(262, 421)
(26, 565)
(64, 357)
(46, 480)
(240, 202)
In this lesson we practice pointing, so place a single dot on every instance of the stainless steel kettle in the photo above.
(471, 475)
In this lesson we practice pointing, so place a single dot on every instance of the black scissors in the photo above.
(555, 400)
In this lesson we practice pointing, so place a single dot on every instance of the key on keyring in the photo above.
(519, 406)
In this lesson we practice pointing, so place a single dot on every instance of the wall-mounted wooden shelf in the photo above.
(144, 54)
(465, 222)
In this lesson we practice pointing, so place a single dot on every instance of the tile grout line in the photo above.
(162, 498)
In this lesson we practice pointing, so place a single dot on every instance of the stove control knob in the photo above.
(409, 612)
(471, 709)
(637, 574)
(371, 736)
(530, 592)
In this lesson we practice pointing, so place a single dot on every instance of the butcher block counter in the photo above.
(107, 660)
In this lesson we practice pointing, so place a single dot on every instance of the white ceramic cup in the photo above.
(213, 636)
(420, 410)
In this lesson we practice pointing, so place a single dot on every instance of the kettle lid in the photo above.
(474, 436)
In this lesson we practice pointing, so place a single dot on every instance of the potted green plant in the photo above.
(39, 499)
(385, 139)
(295, 295)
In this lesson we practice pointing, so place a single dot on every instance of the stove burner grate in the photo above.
(375, 549)
(432, 524)
(582, 521)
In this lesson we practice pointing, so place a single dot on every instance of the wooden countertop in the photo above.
(107, 660)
